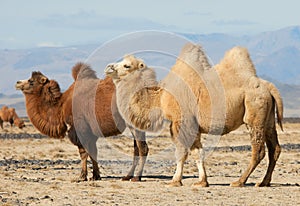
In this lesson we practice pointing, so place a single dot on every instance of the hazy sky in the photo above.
(32, 23)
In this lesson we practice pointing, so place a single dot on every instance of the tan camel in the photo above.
(52, 113)
(10, 115)
(195, 98)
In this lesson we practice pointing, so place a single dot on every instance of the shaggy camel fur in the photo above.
(195, 98)
(52, 113)
(10, 115)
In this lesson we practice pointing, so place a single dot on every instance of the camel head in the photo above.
(33, 84)
(38, 84)
(129, 64)
(19, 123)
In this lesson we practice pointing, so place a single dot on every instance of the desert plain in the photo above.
(37, 170)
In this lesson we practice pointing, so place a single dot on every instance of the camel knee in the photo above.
(143, 148)
(83, 154)
(181, 155)
(258, 143)
(277, 152)
(258, 153)
(262, 153)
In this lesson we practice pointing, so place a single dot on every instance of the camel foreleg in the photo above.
(130, 174)
(199, 152)
(139, 156)
(181, 155)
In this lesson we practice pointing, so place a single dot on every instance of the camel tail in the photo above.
(279, 103)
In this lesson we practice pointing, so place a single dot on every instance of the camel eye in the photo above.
(30, 82)
(127, 66)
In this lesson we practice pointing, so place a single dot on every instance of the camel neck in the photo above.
(139, 103)
(47, 118)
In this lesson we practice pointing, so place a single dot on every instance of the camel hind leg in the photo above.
(273, 153)
(83, 156)
(258, 106)
(258, 153)
(83, 173)
(181, 154)
(96, 171)
(92, 150)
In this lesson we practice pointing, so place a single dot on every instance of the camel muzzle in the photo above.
(18, 85)
(109, 69)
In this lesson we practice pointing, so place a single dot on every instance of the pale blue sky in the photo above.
(33, 23)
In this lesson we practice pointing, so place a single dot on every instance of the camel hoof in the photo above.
(126, 178)
(175, 184)
(237, 184)
(79, 179)
(262, 184)
(135, 179)
(201, 184)
(95, 178)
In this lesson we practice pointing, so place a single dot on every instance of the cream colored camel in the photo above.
(195, 98)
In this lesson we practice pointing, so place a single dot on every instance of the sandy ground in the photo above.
(39, 171)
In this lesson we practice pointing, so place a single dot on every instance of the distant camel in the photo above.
(52, 113)
(10, 115)
(186, 99)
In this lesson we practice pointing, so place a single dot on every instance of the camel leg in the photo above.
(258, 153)
(72, 135)
(143, 152)
(96, 172)
(1, 123)
(139, 156)
(181, 155)
(273, 153)
(11, 121)
(83, 155)
(92, 152)
(202, 173)
(198, 150)
(134, 163)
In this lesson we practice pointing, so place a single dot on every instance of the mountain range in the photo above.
(275, 54)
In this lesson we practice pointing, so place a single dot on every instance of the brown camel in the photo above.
(196, 98)
(10, 115)
(83, 117)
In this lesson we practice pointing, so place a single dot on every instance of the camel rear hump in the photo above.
(237, 61)
(82, 70)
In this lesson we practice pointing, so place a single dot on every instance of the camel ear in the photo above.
(142, 65)
(43, 80)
